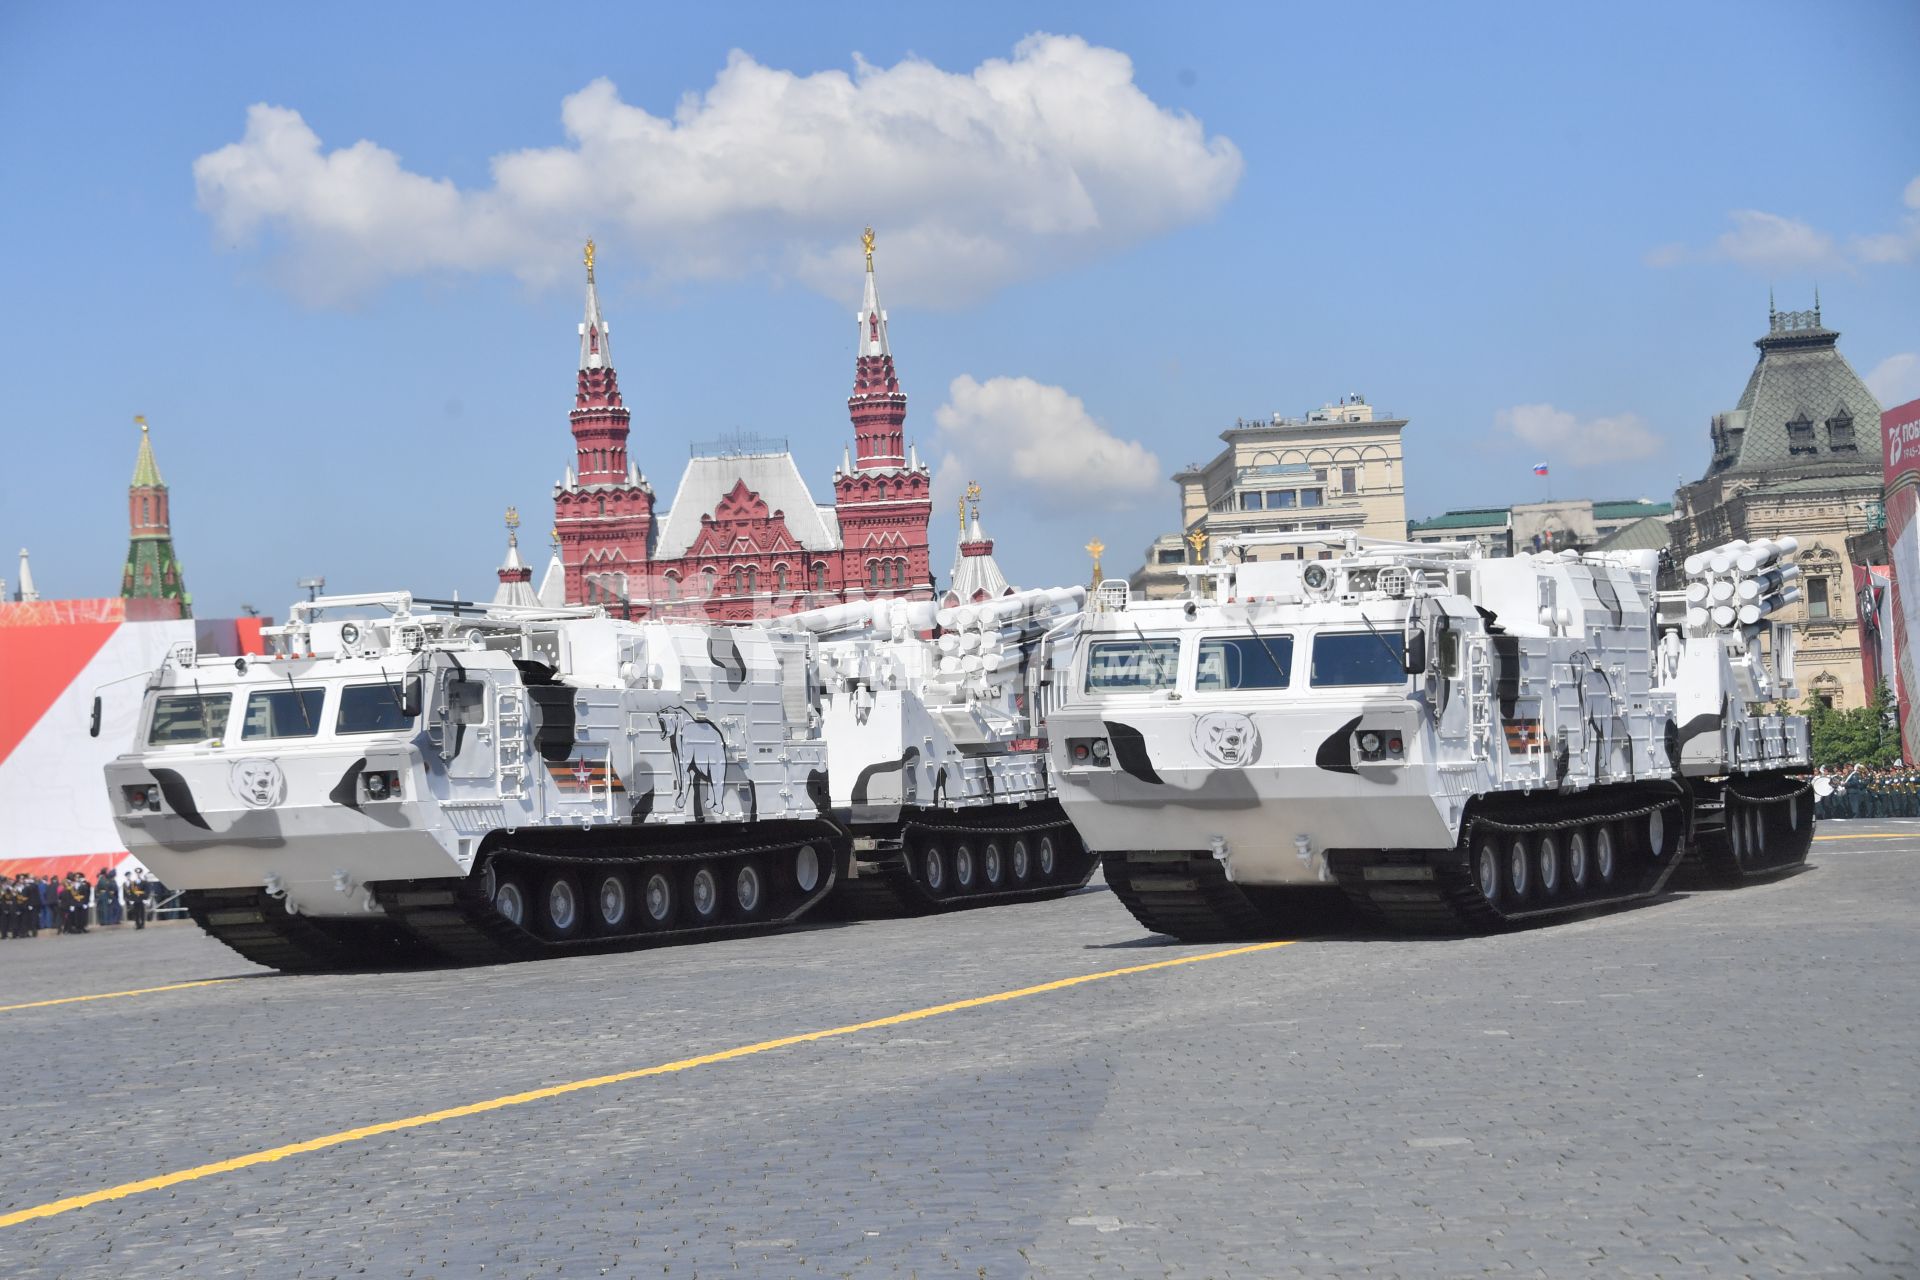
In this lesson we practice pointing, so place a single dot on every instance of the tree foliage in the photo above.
(1866, 735)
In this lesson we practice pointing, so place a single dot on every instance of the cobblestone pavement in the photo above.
(1718, 1084)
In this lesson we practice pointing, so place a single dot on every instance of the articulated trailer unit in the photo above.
(1448, 742)
(402, 780)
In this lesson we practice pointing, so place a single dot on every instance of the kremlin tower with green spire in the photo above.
(153, 572)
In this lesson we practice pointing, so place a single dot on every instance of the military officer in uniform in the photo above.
(106, 898)
(136, 892)
(10, 903)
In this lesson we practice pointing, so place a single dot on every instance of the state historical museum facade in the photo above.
(743, 538)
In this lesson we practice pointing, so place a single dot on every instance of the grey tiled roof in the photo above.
(1650, 534)
(1801, 376)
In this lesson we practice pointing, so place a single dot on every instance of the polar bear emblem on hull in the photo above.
(259, 784)
(1227, 738)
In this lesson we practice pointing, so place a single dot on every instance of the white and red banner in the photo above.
(1900, 441)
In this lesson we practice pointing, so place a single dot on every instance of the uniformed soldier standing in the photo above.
(30, 894)
(106, 898)
(137, 901)
(9, 910)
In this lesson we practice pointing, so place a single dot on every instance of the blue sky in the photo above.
(352, 365)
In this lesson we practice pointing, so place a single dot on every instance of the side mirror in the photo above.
(93, 730)
(1416, 655)
(412, 696)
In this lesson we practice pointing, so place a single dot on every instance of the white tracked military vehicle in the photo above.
(1451, 742)
(935, 755)
(411, 780)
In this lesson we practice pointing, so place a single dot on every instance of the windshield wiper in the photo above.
(1399, 659)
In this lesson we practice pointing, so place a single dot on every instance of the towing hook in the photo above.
(273, 886)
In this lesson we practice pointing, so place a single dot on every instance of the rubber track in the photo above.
(459, 922)
(888, 889)
(1185, 896)
(260, 928)
(1786, 849)
(1450, 901)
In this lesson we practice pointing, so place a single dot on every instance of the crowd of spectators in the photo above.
(31, 905)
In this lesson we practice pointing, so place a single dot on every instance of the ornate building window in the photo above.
(780, 578)
(1800, 436)
(1349, 479)
(673, 586)
(873, 575)
(1817, 606)
(819, 575)
(1840, 433)
(745, 580)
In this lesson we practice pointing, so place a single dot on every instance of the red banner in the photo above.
(1900, 446)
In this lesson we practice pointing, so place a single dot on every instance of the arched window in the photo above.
(873, 574)
(673, 586)
(780, 579)
(882, 491)
(819, 575)
(146, 510)
(603, 506)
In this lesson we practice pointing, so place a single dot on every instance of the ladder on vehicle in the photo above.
(1480, 697)
(510, 742)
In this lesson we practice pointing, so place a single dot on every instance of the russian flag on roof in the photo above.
(1539, 468)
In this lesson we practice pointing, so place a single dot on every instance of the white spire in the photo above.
(913, 457)
(871, 319)
(595, 351)
(27, 591)
(846, 461)
(553, 583)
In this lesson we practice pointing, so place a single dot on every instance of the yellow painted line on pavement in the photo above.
(1876, 835)
(115, 995)
(54, 1208)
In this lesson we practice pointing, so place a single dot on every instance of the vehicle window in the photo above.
(1244, 662)
(188, 717)
(1358, 658)
(1132, 665)
(467, 701)
(371, 708)
(282, 713)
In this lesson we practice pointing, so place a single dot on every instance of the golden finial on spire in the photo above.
(866, 238)
(513, 517)
(589, 261)
(973, 491)
(141, 420)
(554, 537)
(963, 515)
(1198, 541)
(1094, 549)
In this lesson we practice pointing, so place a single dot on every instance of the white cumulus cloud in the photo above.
(1896, 379)
(1041, 439)
(1561, 437)
(1772, 241)
(971, 179)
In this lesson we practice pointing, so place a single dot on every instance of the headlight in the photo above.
(1101, 753)
(349, 633)
(381, 784)
(1370, 743)
(142, 797)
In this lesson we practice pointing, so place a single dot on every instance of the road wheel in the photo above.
(933, 868)
(1044, 851)
(1577, 861)
(1757, 832)
(703, 896)
(993, 866)
(657, 900)
(1547, 855)
(965, 868)
(560, 907)
(806, 868)
(1486, 871)
(613, 905)
(1736, 823)
(1020, 860)
(1603, 859)
(749, 890)
(1658, 834)
(1519, 868)
(510, 897)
